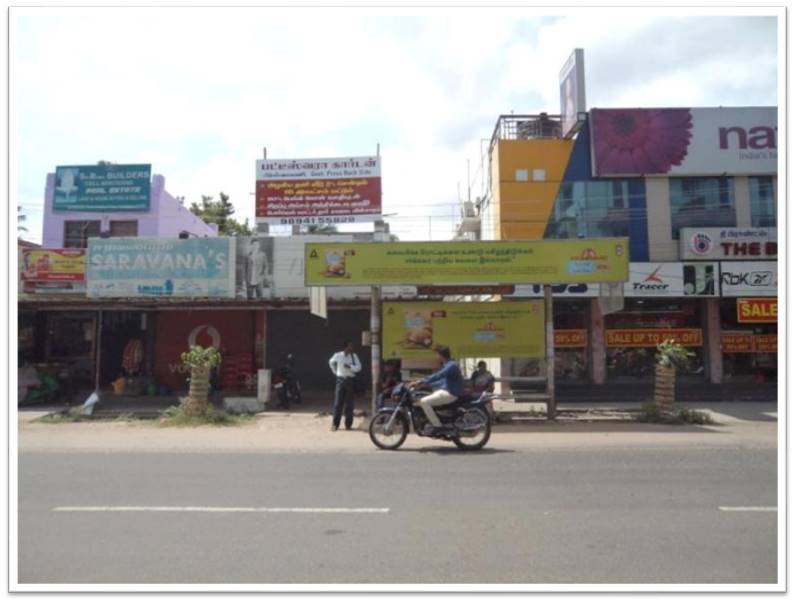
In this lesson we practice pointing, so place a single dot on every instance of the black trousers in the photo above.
(343, 399)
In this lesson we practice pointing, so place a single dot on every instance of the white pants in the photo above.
(437, 398)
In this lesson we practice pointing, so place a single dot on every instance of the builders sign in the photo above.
(318, 191)
(161, 267)
(687, 142)
(102, 188)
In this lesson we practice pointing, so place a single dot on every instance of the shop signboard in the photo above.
(765, 343)
(467, 262)
(507, 289)
(580, 289)
(748, 278)
(570, 339)
(161, 267)
(338, 190)
(412, 330)
(728, 243)
(747, 342)
(53, 265)
(573, 108)
(103, 188)
(684, 142)
(755, 311)
(651, 337)
(673, 279)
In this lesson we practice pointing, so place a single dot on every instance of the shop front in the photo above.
(749, 339)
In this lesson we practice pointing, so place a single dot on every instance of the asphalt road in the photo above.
(529, 516)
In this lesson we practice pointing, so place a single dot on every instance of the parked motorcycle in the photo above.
(466, 422)
(287, 386)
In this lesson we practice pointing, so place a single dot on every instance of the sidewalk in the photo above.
(740, 424)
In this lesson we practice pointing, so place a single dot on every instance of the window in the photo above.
(125, 228)
(77, 233)
(763, 203)
(591, 210)
(701, 202)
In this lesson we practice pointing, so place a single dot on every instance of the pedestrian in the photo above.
(389, 378)
(345, 365)
(482, 380)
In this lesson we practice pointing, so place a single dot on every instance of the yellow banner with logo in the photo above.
(471, 330)
(468, 262)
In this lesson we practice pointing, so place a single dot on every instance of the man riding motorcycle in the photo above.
(448, 385)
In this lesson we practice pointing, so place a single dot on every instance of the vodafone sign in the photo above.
(728, 243)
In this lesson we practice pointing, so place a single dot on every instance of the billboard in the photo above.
(728, 243)
(318, 191)
(748, 278)
(755, 311)
(53, 265)
(161, 267)
(412, 330)
(467, 262)
(684, 142)
(254, 267)
(672, 280)
(572, 97)
(102, 188)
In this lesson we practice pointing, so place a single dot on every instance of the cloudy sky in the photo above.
(198, 92)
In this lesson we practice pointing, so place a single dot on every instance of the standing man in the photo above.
(256, 270)
(345, 365)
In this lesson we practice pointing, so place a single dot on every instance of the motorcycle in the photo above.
(287, 386)
(466, 421)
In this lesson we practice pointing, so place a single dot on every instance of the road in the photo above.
(435, 516)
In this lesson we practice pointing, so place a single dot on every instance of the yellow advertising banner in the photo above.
(468, 262)
(53, 265)
(411, 330)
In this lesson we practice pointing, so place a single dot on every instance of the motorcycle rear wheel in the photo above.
(482, 435)
(390, 441)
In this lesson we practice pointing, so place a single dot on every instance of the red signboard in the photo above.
(766, 343)
(232, 332)
(747, 342)
(570, 338)
(651, 337)
(756, 310)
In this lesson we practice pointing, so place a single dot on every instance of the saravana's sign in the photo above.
(728, 243)
(467, 262)
(161, 267)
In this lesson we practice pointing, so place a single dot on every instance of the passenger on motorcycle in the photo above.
(448, 385)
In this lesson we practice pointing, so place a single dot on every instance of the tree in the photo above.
(21, 218)
(220, 213)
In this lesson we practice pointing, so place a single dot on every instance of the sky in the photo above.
(198, 92)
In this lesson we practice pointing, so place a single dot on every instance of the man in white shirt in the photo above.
(345, 365)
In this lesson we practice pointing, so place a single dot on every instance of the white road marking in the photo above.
(219, 509)
(748, 508)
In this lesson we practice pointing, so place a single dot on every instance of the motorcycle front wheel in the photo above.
(395, 436)
(477, 426)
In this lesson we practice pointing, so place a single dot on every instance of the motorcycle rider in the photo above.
(290, 389)
(448, 385)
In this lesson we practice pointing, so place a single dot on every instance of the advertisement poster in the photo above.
(672, 279)
(747, 342)
(684, 142)
(570, 339)
(254, 267)
(728, 243)
(471, 330)
(102, 188)
(318, 191)
(748, 278)
(756, 311)
(157, 267)
(467, 262)
(651, 337)
(572, 97)
(53, 265)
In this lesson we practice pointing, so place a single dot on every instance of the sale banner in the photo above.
(468, 262)
(766, 343)
(53, 265)
(651, 337)
(570, 338)
(470, 330)
(737, 342)
(756, 310)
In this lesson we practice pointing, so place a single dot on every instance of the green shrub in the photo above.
(180, 416)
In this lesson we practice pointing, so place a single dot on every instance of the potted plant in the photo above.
(200, 361)
(670, 356)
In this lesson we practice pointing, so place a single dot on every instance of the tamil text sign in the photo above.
(102, 188)
(687, 142)
(512, 329)
(748, 278)
(318, 191)
(752, 311)
(161, 267)
(728, 243)
(467, 262)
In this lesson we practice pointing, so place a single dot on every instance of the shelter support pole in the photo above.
(374, 329)
(549, 316)
(98, 351)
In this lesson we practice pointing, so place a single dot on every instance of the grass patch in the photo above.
(177, 416)
(651, 413)
(63, 417)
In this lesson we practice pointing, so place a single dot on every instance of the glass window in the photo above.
(701, 202)
(124, 228)
(763, 202)
(591, 210)
(77, 233)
